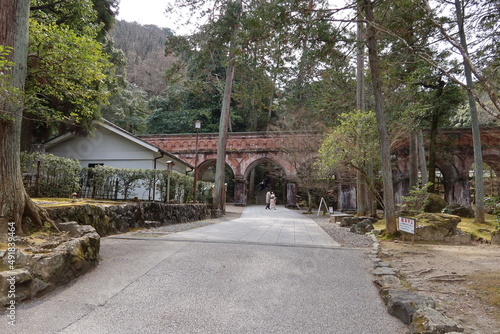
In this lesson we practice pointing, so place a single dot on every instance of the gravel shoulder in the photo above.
(342, 234)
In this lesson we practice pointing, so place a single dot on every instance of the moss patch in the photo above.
(487, 285)
(379, 225)
(468, 225)
(68, 202)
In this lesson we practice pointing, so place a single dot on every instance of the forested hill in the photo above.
(144, 48)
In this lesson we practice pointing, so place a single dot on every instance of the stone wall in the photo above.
(113, 219)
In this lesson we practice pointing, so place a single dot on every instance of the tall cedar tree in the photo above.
(15, 204)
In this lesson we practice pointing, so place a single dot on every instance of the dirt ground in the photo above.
(463, 280)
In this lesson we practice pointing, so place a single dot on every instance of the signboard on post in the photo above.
(407, 225)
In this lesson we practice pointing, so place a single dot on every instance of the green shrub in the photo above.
(46, 175)
(415, 201)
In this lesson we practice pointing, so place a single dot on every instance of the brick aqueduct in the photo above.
(245, 151)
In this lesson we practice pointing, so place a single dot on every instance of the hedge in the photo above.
(46, 175)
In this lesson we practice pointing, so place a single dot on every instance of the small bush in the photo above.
(415, 201)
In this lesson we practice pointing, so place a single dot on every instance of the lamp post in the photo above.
(169, 168)
(197, 126)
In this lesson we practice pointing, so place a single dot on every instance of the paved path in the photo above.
(281, 275)
(258, 225)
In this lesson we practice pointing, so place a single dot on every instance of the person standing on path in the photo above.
(268, 199)
(272, 202)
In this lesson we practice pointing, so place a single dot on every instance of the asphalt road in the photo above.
(194, 282)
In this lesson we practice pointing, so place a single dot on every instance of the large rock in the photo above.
(74, 229)
(44, 269)
(434, 203)
(350, 221)
(458, 210)
(403, 304)
(14, 282)
(429, 321)
(382, 271)
(388, 281)
(440, 227)
(362, 227)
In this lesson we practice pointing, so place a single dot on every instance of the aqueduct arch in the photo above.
(454, 160)
(245, 150)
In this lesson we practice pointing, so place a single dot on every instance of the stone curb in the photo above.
(413, 309)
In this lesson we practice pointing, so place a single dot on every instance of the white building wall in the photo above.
(110, 149)
(103, 145)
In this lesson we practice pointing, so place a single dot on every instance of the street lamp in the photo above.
(197, 126)
(170, 164)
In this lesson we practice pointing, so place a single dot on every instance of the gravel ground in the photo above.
(342, 234)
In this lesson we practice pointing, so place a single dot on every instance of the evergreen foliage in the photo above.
(8, 93)
(67, 78)
(46, 175)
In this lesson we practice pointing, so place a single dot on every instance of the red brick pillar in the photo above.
(240, 192)
(291, 195)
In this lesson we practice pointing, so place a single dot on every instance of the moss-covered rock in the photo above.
(440, 227)
(42, 269)
(458, 210)
(434, 203)
(427, 320)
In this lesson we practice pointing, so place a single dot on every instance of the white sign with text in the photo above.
(407, 225)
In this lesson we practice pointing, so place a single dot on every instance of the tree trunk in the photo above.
(421, 158)
(220, 166)
(413, 170)
(13, 33)
(389, 205)
(14, 201)
(432, 154)
(309, 201)
(476, 135)
(360, 63)
(362, 193)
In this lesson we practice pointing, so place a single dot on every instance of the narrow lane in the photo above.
(222, 278)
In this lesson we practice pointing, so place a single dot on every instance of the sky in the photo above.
(153, 12)
(145, 12)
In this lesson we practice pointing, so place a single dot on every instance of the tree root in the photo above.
(37, 214)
